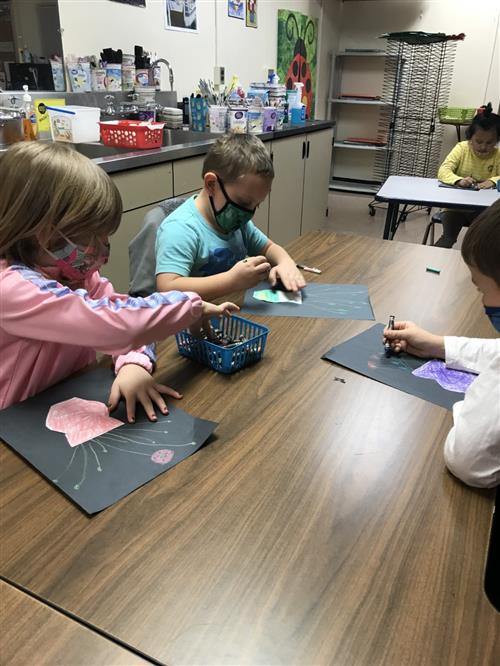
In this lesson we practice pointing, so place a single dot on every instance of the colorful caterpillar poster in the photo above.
(297, 54)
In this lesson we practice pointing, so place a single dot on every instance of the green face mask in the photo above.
(231, 216)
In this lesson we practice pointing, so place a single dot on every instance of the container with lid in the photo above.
(11, 127)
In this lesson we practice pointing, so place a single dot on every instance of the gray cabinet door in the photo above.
(261, 217)
(285, 208)
(316, 180)
(187, 175)
(145, 185)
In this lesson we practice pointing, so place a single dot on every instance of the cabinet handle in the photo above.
(307, 154)
(303, 149)
(272, 157)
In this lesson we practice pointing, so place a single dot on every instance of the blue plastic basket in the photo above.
(221, 358)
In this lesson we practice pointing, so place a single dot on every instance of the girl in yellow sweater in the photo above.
(474, 163)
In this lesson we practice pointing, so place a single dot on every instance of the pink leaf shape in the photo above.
(162, 456)
(80, 420)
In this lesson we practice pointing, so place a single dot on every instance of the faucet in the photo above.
(110, 108)
(170, 71)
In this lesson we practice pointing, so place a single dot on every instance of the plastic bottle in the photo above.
(281, 114)
(298, 87)
(30, 124)
(256, 116)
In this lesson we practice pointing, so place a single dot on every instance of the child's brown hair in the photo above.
(234, 155)
(48, 186)
(481, 244)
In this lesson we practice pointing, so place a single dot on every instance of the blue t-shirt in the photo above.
(187, 245)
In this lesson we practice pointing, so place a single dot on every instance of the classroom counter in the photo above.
(123, 159)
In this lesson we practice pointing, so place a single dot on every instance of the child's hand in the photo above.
(223, 310)
(249, 272)
(134, 383)
(407, 336)
(486, 185)
(289, 275)
(467, 182)
(209, 311)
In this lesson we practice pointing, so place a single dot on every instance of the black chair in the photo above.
(435, 219)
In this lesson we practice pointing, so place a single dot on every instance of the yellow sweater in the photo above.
(462, 162)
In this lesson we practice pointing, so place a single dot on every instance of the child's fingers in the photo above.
(301, 283)
(130, 405)
(148, 406)
(157, 398)
(264, 268)
(162, 388)
(392, 334)
(257, 261)
(114, 397)
(288, 283)
(227, 308)
(273, 276)
(396, 344)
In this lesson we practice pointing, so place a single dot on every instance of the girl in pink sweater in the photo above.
(57, 210)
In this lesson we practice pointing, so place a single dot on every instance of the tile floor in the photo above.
(349, 213)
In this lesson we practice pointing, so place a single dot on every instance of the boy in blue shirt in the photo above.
(209, 244)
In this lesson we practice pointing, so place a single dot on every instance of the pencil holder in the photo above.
(226, 359)
(199, 109)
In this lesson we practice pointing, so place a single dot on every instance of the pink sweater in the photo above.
(48, 331)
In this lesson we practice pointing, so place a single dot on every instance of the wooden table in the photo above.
(318, 527)
(34, 633)
(426, 192)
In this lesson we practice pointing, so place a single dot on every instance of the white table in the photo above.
(411, 190)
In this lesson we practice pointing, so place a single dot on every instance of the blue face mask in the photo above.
(493, 313)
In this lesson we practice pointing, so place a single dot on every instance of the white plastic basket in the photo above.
(74, 124)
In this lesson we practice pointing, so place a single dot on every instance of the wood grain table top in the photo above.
(33, 633)
(318, 526)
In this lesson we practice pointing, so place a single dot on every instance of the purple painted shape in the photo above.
(451, 380)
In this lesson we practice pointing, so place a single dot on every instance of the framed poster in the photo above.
(251, 13)
(181, 15)
(236, 9)
(137, 3)
(297, 54)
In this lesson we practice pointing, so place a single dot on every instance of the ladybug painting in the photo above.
(299, 69)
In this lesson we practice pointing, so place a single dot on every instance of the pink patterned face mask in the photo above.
(78, 262)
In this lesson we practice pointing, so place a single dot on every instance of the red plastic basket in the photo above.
(132, 134)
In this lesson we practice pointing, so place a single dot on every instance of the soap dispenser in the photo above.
(30, 124)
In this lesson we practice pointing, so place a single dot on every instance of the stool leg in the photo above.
(432, 233)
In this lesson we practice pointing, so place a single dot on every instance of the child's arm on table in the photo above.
(408, 337)
(472, 447)
(283, 267)
(244, 274)
(40, 308)
(447, 172)
(134, 382)
(493, 180)
(134, 369)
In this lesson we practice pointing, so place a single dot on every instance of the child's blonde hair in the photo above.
(47, 186)
(234, 155)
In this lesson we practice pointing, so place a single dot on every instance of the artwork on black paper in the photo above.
(364, 353)
(67, 434)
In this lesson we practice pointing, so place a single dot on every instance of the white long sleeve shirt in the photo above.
(472, 448)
